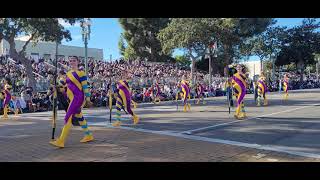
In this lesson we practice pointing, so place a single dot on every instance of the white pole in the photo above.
(317, 69)
(254, 70)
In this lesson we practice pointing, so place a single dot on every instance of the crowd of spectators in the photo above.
(142, 76)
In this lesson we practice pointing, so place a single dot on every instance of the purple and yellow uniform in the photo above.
(262, 89)
(285, 87)
(7, 98)
(123, 101)
(185, 88)
(157, 94)
(200, 93)
(7, 94)
(239, 86)
(77, 93)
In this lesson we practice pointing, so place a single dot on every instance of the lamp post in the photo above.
(1, 23)
(86, 30)
(212, 51)
(317, 68)
(1, 29)
(210, 66)
(273, 68)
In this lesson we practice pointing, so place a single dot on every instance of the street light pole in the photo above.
(86, 30)
(54, 104)
(212, 51)
(1, 30)
(210, 67)
(86, 54)
(273, 69)
(317, 68)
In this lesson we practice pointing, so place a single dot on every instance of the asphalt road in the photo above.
(291, 127)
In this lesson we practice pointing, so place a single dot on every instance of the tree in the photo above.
(217, 64)
(183, 61)
(195, 35)
(268, 44)
(38, 29)
(121, 45)
(140, 35)
(191, 34)
(300, 45)
(1, 28)
(236, 37)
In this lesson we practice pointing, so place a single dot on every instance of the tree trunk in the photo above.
(25, 62)
(227, 53)
(193, 65)
(301, 69)
(210, 68)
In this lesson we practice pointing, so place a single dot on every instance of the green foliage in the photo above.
(268, 65)
(196, 34)
(38, 29)
(129, 53)
(183, 61)
(44, 29)
(140, 35)
(192, 34)
(121, 45)
(300, 44)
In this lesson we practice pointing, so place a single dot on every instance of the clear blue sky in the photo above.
(105, 34)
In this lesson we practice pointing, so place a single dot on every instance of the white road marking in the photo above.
(222, 141)
(208, 127)
(193, 131)
(107, 124)
(272, 160)
(259, 156)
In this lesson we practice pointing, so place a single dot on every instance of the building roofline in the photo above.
(59, 44)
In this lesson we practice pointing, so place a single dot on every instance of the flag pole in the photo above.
(110, 100)
(54, 119)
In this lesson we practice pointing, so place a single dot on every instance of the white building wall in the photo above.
(43, 48)
(254, 68)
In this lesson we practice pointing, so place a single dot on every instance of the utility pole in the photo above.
(317, 68)
(86, 30)
(210, 67)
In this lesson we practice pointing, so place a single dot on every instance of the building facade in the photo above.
(47, 50)
(254, 68)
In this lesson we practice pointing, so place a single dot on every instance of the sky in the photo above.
(105, 34)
